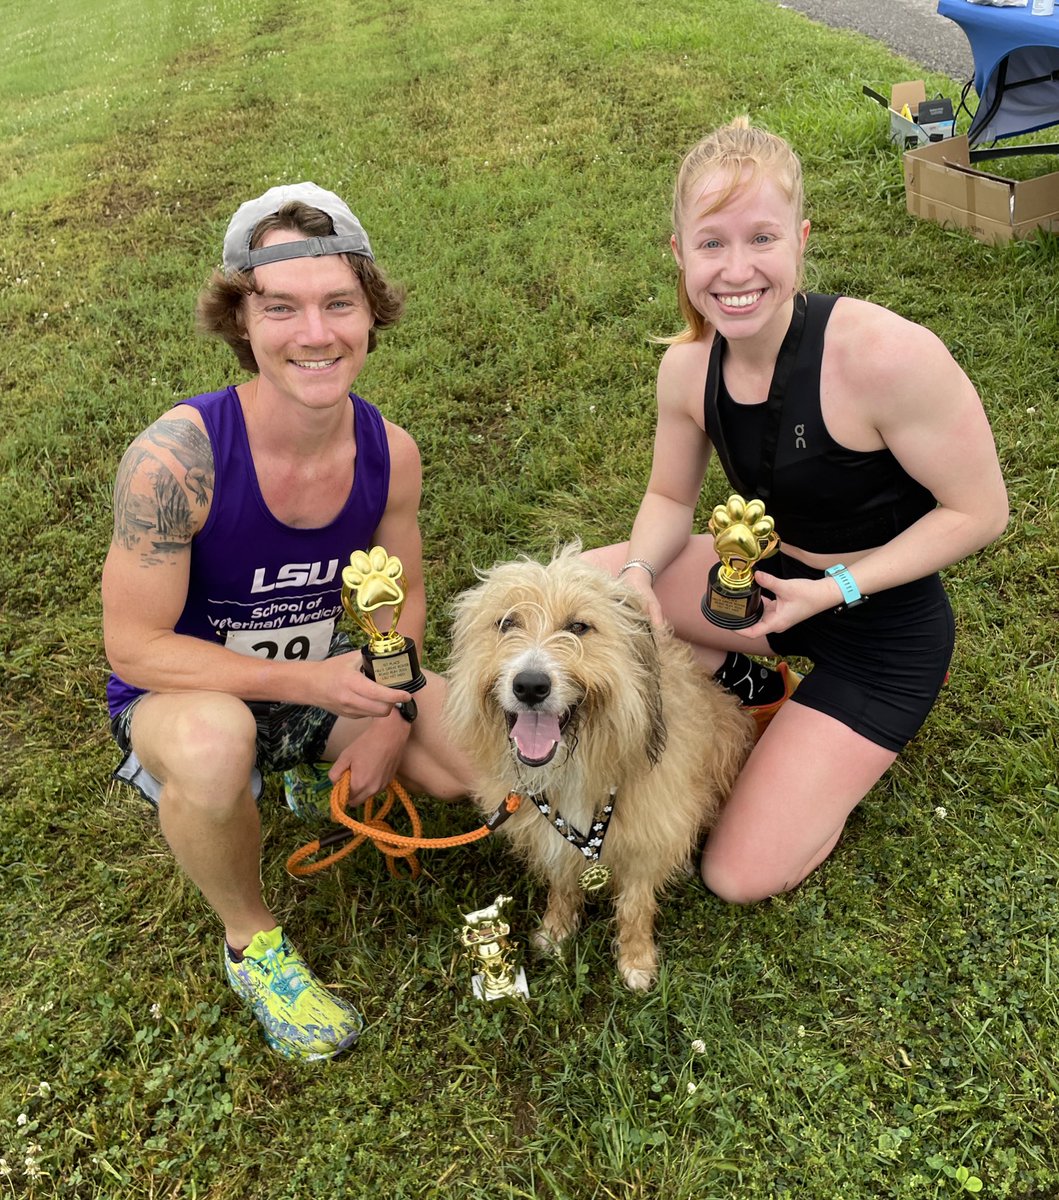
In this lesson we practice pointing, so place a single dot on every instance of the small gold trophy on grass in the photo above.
(484, 935)
(375, 580)
(742, 536)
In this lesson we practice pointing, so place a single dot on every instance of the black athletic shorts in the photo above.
(877, 667)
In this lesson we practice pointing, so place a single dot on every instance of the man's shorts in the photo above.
(877, 667)
(287, 734)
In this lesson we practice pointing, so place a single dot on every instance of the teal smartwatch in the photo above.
(851, 596)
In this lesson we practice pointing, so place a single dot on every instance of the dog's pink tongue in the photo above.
(535, 734)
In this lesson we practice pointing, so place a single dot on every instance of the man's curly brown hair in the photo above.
(219, 312)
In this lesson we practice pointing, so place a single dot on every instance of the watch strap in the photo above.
(851, 594)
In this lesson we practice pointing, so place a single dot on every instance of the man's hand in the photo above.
(373, 758)
(340, 686)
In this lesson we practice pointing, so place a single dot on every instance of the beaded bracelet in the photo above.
(643, 564)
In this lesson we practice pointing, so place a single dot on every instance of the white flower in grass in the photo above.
(1032, 409)
(692, 1088)
(698, 1046)
(22, 1119)
(941, 813)
(156, 1011)
(44, 1089)
(801, 1031)
(5, 1167)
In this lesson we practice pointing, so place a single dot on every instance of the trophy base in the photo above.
(730, 609)
(398, 669)
(519, 987)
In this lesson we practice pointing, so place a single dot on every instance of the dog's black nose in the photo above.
(531, 687)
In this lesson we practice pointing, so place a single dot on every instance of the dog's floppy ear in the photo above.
(645, 650)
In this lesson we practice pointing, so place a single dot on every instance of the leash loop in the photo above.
(376, 829)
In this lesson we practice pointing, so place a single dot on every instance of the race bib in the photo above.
(297, 642)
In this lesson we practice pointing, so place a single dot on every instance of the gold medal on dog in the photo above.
(595, 877)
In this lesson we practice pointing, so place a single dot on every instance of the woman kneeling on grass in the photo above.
(879, 468)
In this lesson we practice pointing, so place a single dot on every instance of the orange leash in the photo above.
(375, 828)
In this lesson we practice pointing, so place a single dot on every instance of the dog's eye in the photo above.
(506, 624)
(578, 628)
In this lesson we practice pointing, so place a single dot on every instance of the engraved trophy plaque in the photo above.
(374, 580)
(742, 536)
(484, 936)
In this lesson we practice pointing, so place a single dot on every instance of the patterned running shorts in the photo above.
(287, 734)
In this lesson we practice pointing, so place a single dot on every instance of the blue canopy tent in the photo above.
(1016, 70)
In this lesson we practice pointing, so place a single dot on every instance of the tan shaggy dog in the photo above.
(560, 689)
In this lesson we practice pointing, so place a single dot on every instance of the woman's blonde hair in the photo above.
(731, 150)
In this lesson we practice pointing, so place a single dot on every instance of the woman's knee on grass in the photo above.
(736, 884)
(747, 882)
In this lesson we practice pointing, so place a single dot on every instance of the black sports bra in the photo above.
(824, 497)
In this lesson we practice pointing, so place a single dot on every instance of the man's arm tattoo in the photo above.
(130, 523)
(151, 507)
(191, 448)
(173, 525)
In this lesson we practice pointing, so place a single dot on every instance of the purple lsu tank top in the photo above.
(256, 585)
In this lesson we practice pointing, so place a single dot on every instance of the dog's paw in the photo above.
(375, 577)
(548, 941)
(637, 979)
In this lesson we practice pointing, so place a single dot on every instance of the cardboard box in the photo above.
(942, 186)
(929, 125)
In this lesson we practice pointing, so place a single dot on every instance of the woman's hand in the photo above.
(640, 582)
(795, 600)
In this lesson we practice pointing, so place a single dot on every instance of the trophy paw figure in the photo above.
(742, 536)
(375, 580)
(485, 937)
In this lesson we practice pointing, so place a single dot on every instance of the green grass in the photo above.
(890, 1029)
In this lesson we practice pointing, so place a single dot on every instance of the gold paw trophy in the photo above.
(742, 536)
(375, 580)
(484, 935)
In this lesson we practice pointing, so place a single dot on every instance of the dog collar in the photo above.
(595, 875)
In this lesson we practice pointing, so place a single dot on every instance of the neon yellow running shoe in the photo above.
(307, 790)
(301, 1019)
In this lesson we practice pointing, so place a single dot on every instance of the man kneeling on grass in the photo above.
(233, 515)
